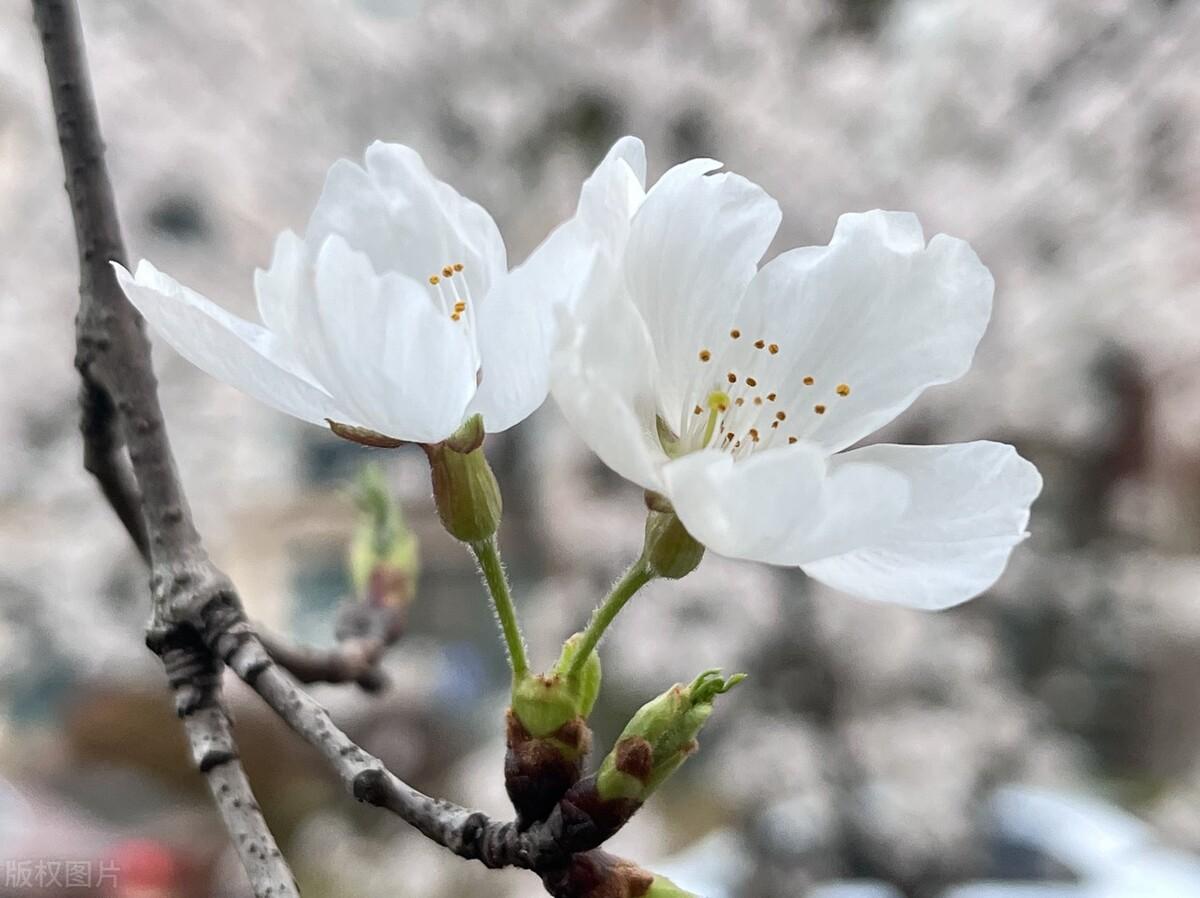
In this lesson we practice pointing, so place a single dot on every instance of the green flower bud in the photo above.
(544, 703)
(383, 554)
(660, 737)
(587, 684)
(547, 735)
(664, 888)
(464, 487)
(670, 551)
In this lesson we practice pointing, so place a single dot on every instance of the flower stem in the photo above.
(637, 576)
(487, 553)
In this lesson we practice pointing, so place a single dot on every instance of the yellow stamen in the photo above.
(819, 409)
(808, 381)
(705, 355)
(843, 389)
(434, 279)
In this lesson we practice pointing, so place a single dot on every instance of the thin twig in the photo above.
(365, 631)
(544, 846)
(350, 661)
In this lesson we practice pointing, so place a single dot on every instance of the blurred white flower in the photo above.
(733, 390)
(395, 314)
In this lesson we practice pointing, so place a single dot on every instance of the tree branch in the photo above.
(195, 677)
(106, 458)
(365, 632)
(120, 408)
(351, 661)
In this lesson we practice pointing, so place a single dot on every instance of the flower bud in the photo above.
(464, 487)
(598, 874)
(660, 737)
(664, 888)
(383, 554)
(548, 738)
(670, 551)
(544, 702)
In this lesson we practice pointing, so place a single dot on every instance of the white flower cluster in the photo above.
(733, 391)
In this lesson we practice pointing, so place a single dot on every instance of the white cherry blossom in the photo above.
(735, 391)
(395, 314)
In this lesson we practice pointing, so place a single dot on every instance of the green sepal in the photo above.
(670, 551)
(544, 703)
(464, 487)
(664, 888)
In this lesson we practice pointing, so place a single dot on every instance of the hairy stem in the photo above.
(637, 576)
(487, 553)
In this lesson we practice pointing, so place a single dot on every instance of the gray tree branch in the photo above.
(120, 409)
(197, 620)
(365, 632)
(195, 677)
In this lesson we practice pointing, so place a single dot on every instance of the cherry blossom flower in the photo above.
(395, 317)
(736, 391)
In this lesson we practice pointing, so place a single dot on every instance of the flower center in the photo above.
(744, 409)
(452, 292)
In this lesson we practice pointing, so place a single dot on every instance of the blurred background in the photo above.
(1041, 740)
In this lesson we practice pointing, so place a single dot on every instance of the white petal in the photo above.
(613, 193)
(287, 302)
(603, 380)
(517, 329)
(406, 220)
(517, 320)
(235, 351)
(285, 288)
(969, 507)
(401, 363)
(783, 505)
(876, 310)
(693, 247)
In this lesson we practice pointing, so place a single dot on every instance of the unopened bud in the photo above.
(464, 487)
(664, 888)
(383, 555)
(598, 874)
(547, 734)
(544, 702)
(660, 737)
(670, 551)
